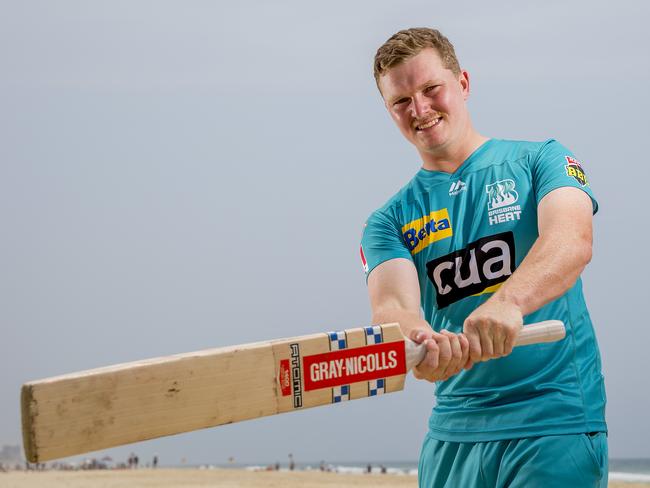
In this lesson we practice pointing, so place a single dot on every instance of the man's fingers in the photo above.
(487, 349)
(433, 354)
(453, 366)
(475, 351)
(464, 345)
(509, 344)
(498, 340)
(428, 366)
(418, 336)
(503, 347)
(445, 354)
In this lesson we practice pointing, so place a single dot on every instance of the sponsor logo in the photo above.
(284, 377)
(574, 170)
(473, 270)
(345, 366)
(420, 233)
(501, 199)
(363, 259)
(296, 375)
(457, 187)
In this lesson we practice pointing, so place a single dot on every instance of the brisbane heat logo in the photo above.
(502, 197)
(472, 270)
(420, 233)
(501, 194)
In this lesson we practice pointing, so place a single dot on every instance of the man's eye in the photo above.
(431, 88)
(400, 101)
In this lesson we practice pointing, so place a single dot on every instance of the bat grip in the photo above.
(546, 331)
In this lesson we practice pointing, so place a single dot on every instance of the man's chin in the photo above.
(431, 147)
(430, 139)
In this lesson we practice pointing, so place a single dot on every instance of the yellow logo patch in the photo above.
(420, 233)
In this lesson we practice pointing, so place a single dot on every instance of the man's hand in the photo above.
(492, 330)
(447, 354)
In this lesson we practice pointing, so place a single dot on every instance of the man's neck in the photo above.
(449, 159)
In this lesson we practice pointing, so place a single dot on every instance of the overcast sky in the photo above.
(182, 175)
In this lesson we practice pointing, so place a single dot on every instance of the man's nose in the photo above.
(419, 106)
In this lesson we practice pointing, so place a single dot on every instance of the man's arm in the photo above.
(395, 297)
(550, 268)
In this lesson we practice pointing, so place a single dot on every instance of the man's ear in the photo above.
(463, 79)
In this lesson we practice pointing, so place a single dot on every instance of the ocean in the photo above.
(629, 469)
(619, 469)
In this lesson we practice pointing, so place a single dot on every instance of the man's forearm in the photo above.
(407, 319)
(551, 267)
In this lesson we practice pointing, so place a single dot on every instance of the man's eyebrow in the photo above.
(396, 98)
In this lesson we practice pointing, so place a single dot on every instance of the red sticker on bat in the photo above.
(285, 377)
(347, 366)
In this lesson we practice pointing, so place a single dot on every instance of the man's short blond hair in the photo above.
(408, 43)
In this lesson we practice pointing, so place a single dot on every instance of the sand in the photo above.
(217, 478)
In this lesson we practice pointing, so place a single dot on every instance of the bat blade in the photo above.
(106, 407)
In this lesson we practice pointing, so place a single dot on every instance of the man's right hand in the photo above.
(447, 354)
(394, 292)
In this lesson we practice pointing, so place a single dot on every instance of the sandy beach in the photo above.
(218, 478)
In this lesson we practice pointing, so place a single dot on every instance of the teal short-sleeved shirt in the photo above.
(466, 233)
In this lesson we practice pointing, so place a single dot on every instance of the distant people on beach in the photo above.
(292, 464)
(154, 463)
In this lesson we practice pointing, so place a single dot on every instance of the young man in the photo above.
(489, 234)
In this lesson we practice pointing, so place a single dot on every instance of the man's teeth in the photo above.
(431, 123)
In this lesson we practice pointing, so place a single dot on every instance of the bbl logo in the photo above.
(469, 271)
(574, 169)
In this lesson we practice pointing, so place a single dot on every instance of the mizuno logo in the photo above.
(457, 187)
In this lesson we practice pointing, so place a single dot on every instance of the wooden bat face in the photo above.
(107, 407)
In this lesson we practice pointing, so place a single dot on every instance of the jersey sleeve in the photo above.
(554, 166)
(381, 241)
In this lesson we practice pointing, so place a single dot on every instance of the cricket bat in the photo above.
(106, 407)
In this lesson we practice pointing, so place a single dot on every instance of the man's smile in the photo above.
(428, 124)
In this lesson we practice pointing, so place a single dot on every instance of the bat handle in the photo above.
(546, 331)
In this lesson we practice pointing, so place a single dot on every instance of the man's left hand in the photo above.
(492, 330)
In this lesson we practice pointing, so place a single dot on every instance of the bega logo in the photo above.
(470, 271)
(420, 233)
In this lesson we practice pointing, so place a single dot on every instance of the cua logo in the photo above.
(469, 271)
(420, 233)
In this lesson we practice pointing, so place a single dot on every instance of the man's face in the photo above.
(427, 102)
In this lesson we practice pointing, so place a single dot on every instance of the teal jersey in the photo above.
(466, 233)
